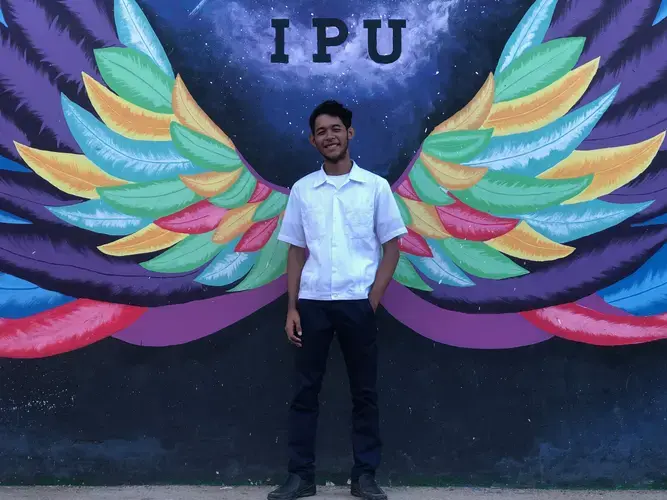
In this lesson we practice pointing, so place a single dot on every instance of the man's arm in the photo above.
(385, 272)
(389, 227)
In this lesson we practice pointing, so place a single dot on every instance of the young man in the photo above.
(350, 223)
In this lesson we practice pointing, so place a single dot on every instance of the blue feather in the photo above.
(661, 219)
(2, 18)
(7, 164)
(20, 298)
(97, 216)
(7, 218)
(643, 293)
(662, 13)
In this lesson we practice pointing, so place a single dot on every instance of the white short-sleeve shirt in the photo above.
(343, 229)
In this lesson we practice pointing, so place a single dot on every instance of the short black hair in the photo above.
(331, 108)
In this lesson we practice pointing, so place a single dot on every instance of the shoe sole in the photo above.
(309, 492)
(356, 493)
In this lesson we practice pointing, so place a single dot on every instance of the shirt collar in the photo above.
(356, 175)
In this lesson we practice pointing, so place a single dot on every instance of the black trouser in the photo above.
(354, 324)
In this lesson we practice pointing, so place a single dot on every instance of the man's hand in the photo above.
(375, 302)
(293, 327)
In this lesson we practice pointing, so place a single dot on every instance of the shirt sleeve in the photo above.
(388, 221)
(291, 230)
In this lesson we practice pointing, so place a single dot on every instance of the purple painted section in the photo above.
(172, 325)
(475, 331)
(570, 16)
(94, 20)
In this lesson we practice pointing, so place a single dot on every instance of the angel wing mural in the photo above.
(536, 210)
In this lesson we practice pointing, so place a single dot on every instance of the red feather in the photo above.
(407, 191)
(256, 237)
(64, 328)
(261, 193)
(414, 244)
(581, 324)
(199, 218)
(466, 223)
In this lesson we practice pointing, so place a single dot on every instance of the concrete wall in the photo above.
(147, 153)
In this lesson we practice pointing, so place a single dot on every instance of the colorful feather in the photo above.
(406, 190)
(52, 42)
(63, 329)
(481, 260)
(257, 236)
(425, 220)
(192, 116)
(414, 244)
(260, 193)
(2, 17)
(581, 324)
(71, 173)
(271, 264)
(528, 34)
(565, 223)
(125, 118)
(199, 218)
(20, 298)
(474, 114)
(440, 268)
(187, 255)
(135, 161)
(94, 20)
(135, 31)
(523, 242)
(134, 77)
(34, 91)
(11, 166)
(239, 193)
(228, 267)
(532, 153)
(452, 175)
(542, 107)
(234, 223)
(644, 292)
(149, 239)
(457, 146)
(425, 185)
(466, 223)
(406, 275)
(611, 168)
(211, 183)
(150, 199)
(272, 206)
(98, 217)
(662, 13)
(537, 68)
(204, 151)
(507, 194)
(7, 218)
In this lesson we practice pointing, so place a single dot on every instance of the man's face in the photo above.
(331, 137)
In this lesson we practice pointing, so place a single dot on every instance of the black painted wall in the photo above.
(213, 411)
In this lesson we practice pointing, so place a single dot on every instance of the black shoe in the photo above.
(294, 487)
(366, 487)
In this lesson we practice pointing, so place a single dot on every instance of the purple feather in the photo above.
(60, 262)
(570, 15)
(9, 133)
(594, 265)
(644, 67)
(623, 21)
(94, 19)
(53, 43)
(35, 91)
(26, 195)
(629, 123)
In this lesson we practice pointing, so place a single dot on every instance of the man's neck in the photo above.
(340, 167)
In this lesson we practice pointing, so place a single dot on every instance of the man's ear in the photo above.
(311, 138)
(350, 133)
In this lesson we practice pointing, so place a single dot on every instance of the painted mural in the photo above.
(536, 209)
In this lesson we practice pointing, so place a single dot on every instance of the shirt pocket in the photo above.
(359, 220)
(314, 223)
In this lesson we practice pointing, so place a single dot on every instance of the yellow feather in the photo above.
(425, 220)
(149, 239)
(523, 242)
(192, 116)
(611, 167)
(71, 173)
(234, 223)
(541, 108)
(474, 114)
(452, 175)
(129, 120)
(211, 183)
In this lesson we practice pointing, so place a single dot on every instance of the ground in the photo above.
(329, 493)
